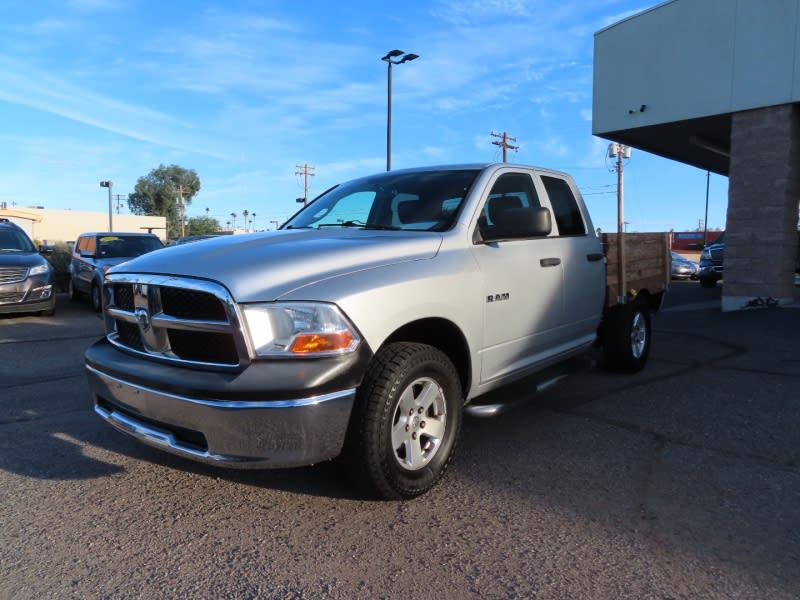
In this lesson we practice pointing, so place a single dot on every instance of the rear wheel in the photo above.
(406, 422)
(626, 337)
(97, 301)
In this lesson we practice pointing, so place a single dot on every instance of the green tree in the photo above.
(158, 192)
(202, 225)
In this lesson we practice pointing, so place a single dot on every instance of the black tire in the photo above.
(97, 300)
(626, 337)
(707, 282)
(74, 295)
(393, 455)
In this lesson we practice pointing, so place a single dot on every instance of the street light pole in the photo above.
(110, 185)
(389, 61)
(705, 220)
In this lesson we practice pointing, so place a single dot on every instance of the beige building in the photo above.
(48, 225)
(716, 84)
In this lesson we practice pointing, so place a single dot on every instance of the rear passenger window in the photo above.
(565, 207)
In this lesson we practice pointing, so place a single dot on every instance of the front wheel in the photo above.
(406, 421)
(708, 282)
(73, 293)
(626, 337)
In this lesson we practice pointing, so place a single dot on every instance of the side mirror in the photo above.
(519, 223)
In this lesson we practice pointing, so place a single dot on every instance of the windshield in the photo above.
(13, 240)
(125, 247)
(418, 201)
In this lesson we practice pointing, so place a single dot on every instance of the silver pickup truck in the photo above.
(366, 326)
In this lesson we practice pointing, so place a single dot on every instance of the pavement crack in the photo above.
(789, 466)
(645, 491)
(33, 418)
(24, 381)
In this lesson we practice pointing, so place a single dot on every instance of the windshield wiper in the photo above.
(342, 224)
(360, 224)
(381, 226)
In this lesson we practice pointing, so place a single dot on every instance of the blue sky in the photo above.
(244, 91)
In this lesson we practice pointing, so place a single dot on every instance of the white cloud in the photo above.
(595, 156)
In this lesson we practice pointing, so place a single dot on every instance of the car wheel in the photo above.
(626, 337)
(406, 421)
(73, 293)
(707, 282)
(97, 301)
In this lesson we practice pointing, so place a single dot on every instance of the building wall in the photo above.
(693, 240)
(66, 225)
(763, 195)
(686, 59)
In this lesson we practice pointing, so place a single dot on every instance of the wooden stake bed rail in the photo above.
(648, 268)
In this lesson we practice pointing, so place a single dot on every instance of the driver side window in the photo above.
(511, 190)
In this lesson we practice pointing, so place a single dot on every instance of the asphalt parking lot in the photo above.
(682, 481)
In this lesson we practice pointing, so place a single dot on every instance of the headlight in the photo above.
(299, 329)
(705, 254)
(39, 269)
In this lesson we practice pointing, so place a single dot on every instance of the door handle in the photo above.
(595, 256)
(550, 262)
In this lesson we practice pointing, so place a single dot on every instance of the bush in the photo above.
(59, 258)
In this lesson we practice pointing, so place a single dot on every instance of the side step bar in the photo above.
(508, 397)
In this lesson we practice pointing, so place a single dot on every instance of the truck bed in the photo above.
(648, 264)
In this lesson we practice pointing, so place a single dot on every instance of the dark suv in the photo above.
(711, 262)
(26, 278)
(96, 252)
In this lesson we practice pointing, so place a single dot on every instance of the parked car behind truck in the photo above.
(711, 259)
(368, 324)
(96, 252)
(26, 277)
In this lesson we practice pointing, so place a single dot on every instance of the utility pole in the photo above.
(504, 142)
(180, 205)
(620, 152)
(118, 197)
(306, 171)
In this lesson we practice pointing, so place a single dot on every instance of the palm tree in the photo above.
(253, 220)
(233, 218)
(244, 214)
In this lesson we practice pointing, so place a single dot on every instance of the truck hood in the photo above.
(265, 266)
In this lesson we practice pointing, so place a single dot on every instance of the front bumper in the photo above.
(218, 418)
(32, 295)
(710, 272)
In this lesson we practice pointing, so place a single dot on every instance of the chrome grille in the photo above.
(716, 254)
(184, 321)
(13, 274)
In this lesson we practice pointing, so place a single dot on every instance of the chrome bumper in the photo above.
(240, 434)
